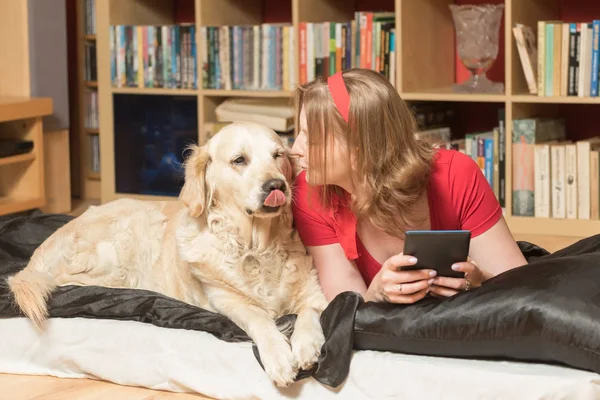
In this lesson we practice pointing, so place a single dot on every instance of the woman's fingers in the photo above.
(407, 299)
(467, 267)
(472, 272)
(399, 260)
(396, 289)
(442, 291)
(452, 283)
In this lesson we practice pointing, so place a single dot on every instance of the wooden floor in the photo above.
(23, 387)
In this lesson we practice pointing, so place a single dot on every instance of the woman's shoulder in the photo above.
(453, 164)
(306, 200)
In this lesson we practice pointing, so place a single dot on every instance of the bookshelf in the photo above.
(86, 121)
(426, 66)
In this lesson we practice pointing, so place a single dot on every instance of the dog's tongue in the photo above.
(275, 199)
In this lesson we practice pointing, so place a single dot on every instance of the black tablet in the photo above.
(437, 250)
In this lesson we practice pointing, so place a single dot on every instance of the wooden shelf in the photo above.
(10, 205)
(15, 108)
(91, 84)
(245, 93)
(17, 159)
(553, 226)
(89, 37)
(90, 131)
(156, 91)
(531, 98)
(446, 94)
(95, 176)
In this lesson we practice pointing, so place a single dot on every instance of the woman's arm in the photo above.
(336, 273)
(496, 251)
(492, 253)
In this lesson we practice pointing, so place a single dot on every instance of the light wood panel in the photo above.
(427, 46)
(89, 188)
(29, 387)
(57, 177)
(105, 103)
(14, 49)
(22, 107)
(139, 12)
(230, 12)
(319, 10)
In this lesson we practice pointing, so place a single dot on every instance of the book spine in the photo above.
(583, 179)
(502, 158)
(571, 180)
(489, 160)
(541, 181)
(573, 41)
(541, 58)
(556, 57)
(557, 158)
(549, 61)
(595, 58)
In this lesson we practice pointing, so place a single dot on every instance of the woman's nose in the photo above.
(299, 146)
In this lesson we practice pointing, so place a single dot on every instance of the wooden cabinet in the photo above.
(22, 176)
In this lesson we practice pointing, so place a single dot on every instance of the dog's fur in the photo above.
(218, 248)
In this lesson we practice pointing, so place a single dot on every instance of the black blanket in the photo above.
(547, 311)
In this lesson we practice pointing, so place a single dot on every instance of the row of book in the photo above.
(554, 177)
(148, 56)
(565, 59)
(89, 66)
(367, 41)
(91, 109)
(249, 57)
(89, 22)
(437, 124)
(95, 153)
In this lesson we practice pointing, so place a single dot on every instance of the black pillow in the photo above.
(547, 311)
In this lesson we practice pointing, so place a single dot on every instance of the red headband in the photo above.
(340, 95)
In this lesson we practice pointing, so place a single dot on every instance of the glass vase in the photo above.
(477, 36)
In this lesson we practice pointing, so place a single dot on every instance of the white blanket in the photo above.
(139, 354)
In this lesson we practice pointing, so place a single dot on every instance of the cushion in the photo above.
(545, 312)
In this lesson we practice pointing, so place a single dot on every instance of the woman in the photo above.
(375, 181)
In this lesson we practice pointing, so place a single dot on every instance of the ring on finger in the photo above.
(399, 287)
(468, 287)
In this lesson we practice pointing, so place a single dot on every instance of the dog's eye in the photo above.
(240, 160)
(277, 155)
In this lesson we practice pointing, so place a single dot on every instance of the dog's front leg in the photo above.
(308, 337)
(274, 349)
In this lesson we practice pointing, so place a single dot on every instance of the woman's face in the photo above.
(338, 160)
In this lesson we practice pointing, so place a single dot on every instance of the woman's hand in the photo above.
(396, 286)
(448, 287)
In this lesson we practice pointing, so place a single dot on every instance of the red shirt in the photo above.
(459, 197)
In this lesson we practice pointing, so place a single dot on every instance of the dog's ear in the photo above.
(194, 193)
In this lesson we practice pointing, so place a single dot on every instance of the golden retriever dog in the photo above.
(227, 245)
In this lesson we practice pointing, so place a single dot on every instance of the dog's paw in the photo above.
(278, 361)
(306, 346)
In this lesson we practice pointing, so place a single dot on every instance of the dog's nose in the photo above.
(273, 184)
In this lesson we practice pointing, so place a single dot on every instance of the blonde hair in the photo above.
(392, 167)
